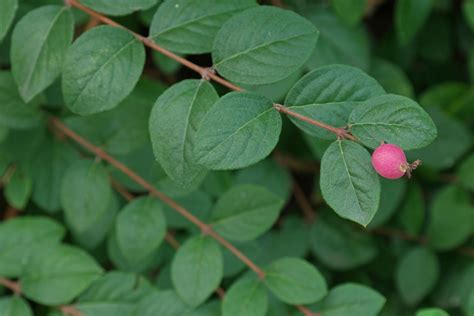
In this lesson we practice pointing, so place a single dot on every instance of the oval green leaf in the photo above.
(119, 7)
(295, 281)
(263, 45)
(197, 269)
(189, 26)
(7, 15)
(239, 130)
(416, 274)
(140, 228)
(393, 119)
(349, 183)
(14, 306)
(38, 60)
(14, 112)
(351, 299)
(21, 237)
(174, 120)
(58, 274)
(246, 297)
(101, 69)
(245, 212)
(85, 194)
(329, 94)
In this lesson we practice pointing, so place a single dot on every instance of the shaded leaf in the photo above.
(239, 130)
(174, 122)
(281, 43)
(295, 281)
(348, 182)
(245, 212)
(101, 69)
(38, 60)
(189, 27)
(197, 269)
(393, 119)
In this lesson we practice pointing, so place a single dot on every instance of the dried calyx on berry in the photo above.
(390, 162)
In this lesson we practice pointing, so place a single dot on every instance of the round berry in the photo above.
(389, 161)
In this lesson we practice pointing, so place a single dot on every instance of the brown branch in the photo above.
(305, 205)
(93, 22)
(339, 131)
(205, 229)
(400, 234)
(295, 164)
(70, 310)
(11, 212)
(11, 285)
(206, 73)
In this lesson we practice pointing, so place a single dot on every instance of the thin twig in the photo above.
(203, 71)
(305, 205)
(206, 229)
(295, 164)
(11, 285)
(70, 310)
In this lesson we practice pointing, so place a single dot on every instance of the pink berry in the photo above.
(389, 161)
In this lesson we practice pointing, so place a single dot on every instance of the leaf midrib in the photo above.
(40, 48)
(117, 53)
(237, 131)
(259, 47)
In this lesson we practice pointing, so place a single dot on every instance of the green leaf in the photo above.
(7, 15)
(116, 293)
(448, 225)
(38, 60)
(120, 260)
(411, 215)
(197, 203)
(295, 281)
(189, 27)
(47, 170)
(119, 7)
(21, 237)
(417, 274)
(338, 43)
(391, 194)
(117, 286)
(339, 245)
(239, 130)
(392, 78)
(14, 306)
(351, 299)
(349, 183)
(92, 237)
(18, 189)
(58, 274)
(291, 239)
(101, 69)
(393, 119)
(350, 12)
(174, 121)
(163, 303)
(85, 193)
(246, 297)
(329, 94)
(123, 129)
(197, 269)
(14, 112)
(431, 312)
(467, 9)
(140, 228)
(269, 175)
(466, 172)
(410, 17)
(454, 139)
(245, 212)
(263, 45)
